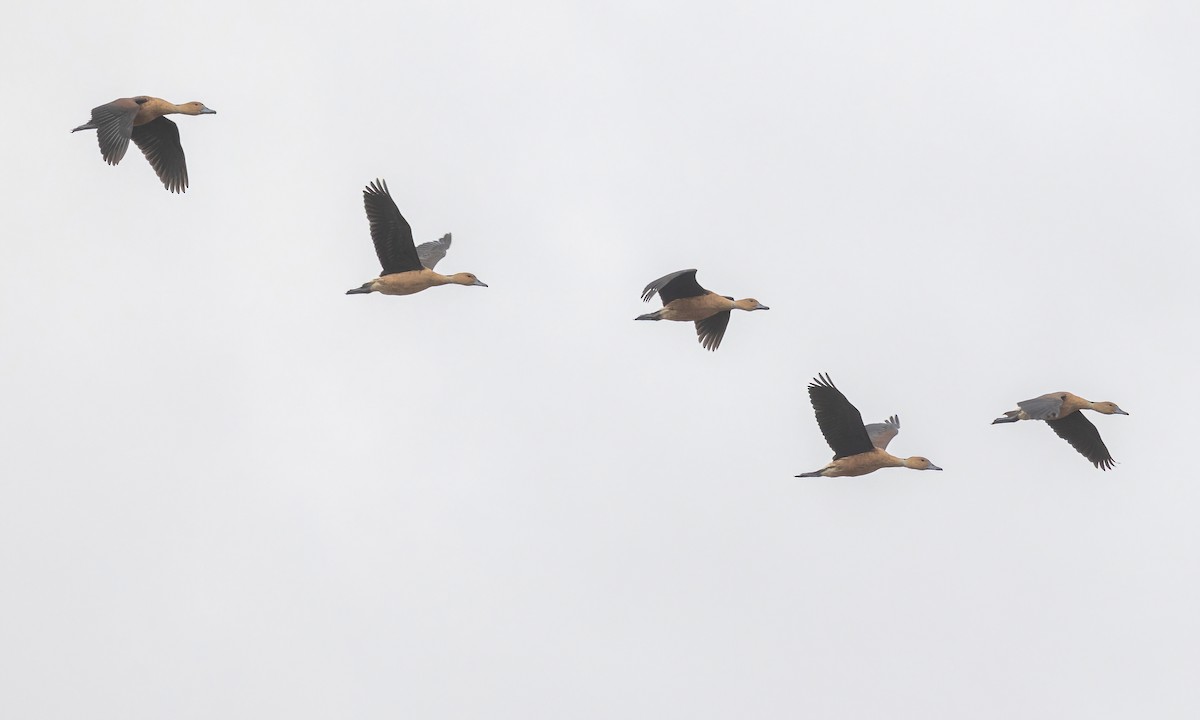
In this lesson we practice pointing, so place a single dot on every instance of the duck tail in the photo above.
(366, 288)
(814, 473)
(1010, 416)
(656, 315)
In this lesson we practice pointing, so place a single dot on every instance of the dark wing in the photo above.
(711, 329)
(840, 422)
(433, 251)
(1084, 437)
(159, 141)
(114, 127)
(389, 231)
(677, 285)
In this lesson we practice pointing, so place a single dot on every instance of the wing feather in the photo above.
(1045, 407)
(390, 232)
(114, 127)
(882, 433)
(711, 329)
(159, 142)
(677, 285)
(1084, 437)
(432, 252)
(840, 422)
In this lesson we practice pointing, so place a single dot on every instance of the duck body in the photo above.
(685, 301)
(142, 120)
(692, 309)
(407, 269)
(865, 463)
(857, 449)
(1063, 412)
(412, 282)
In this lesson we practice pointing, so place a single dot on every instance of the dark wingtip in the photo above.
(821, 380)
(377, 187)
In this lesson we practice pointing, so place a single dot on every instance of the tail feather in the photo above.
(814, 473)
(366, 288)
(1010, 416)
(656, 315)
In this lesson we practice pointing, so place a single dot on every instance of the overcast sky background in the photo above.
(227, 490)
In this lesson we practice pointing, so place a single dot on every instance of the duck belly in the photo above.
(695, 308)
(405, 283)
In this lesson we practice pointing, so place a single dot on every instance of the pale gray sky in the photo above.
(227, 490)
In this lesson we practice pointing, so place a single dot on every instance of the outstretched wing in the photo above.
(674, 286)
(433, 251)
(1045, 407)
(389, 231)
(114, 126)
(882, 433)
(840, 422)
(711, 329)
(159, 142)
(1084, 437)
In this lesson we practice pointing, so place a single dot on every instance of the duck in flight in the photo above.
(1061, 411)
(857, 449)
(685, 301)
(406, 269)
(142, 120)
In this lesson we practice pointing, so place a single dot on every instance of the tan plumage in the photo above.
(685, 301)
(857, 450)
(403, 271)
(414, 281)
(1062, 412)
(141, 119)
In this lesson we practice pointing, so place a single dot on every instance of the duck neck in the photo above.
(890, 460)
(162, 107)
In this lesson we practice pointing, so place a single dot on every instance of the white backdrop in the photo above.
(229, 490)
